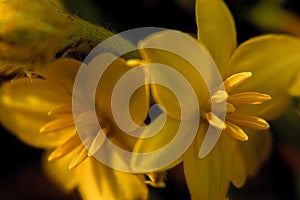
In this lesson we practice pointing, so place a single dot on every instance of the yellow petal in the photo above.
(58, 172)
(116, 106)
(62, 72)
(24, 107)
(256, 150)
(208, 178)
(273, 61)
(159, 158)
(138, 103)
(175, 79)
(216, 29)
(97, 181)
(238, 170)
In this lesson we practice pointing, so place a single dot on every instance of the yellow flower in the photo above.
(39, 112)
(256, 71)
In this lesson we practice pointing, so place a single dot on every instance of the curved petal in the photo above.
(209, 177)
(239, 169)
(216, 29)
(171, 73)
(24, 107)
(256, 150)
(59, 173)
(117, 108)
(97, 181)
(62, 72)
(139, 101)
(273, 61)
(163, 137)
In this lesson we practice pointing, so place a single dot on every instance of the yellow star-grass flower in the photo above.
(39, 112)
(256, 75)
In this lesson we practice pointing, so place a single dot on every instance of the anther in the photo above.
(58, 124)
(61, 111)
(230, 108)
(247, 121)
(79, 158)
(134, 62)
(235, 132)
(98, 141)
(65, 148)
(235, 80)
(215, 121)
(219, 96)
(246, 98)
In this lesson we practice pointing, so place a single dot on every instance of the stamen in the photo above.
(235, 80)
(65, 148)
(157, 179)
(219, 96)
(134, 62)
(215, 121)
(79, 158)
(247, 121)
(61, 111)
(58, 124)
(98, 141)
(230, 108)
(246, 98)
(235, 132)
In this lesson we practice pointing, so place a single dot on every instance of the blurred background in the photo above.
(22, 176)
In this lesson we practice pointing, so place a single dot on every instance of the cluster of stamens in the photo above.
(65, 121)
(235, 121)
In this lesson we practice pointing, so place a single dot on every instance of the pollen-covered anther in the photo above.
(247, 121)
(235, 132)
(62, 110)
(79, 158)
(215, 121)
(65, 148)
(247, 98)
(235, 80)
(99, 140)
(58, 124)
(134, 62)
(219, 96)
(230, 108)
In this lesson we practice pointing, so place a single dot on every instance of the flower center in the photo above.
(64, 121)
(235, 121)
